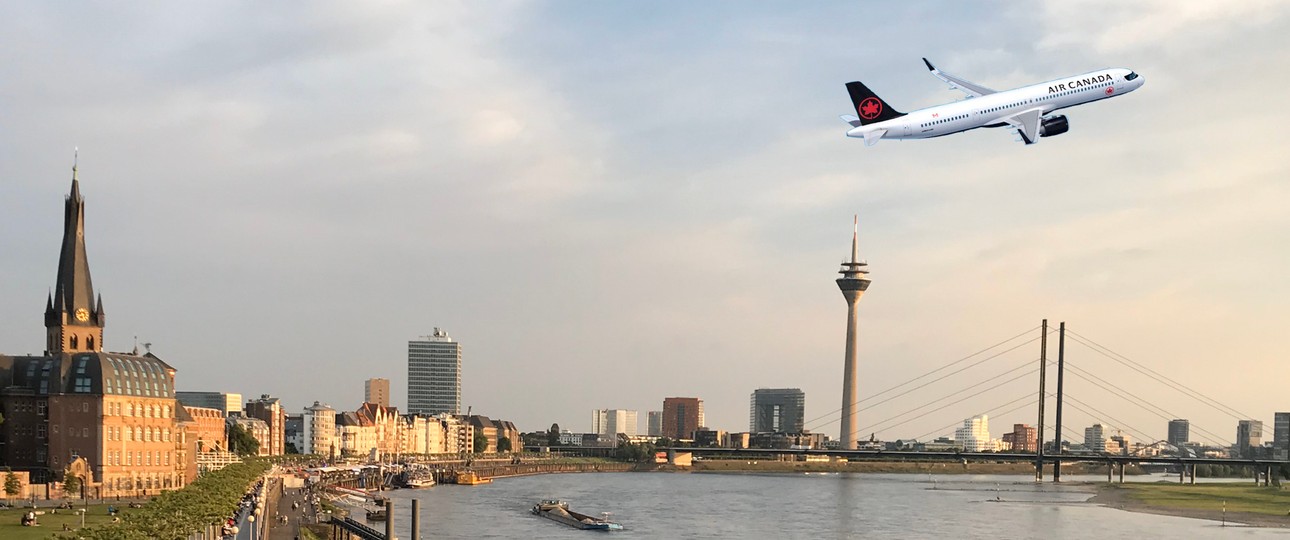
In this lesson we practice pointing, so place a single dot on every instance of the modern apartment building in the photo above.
(434, 375)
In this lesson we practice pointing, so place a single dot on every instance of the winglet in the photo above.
(930, 67)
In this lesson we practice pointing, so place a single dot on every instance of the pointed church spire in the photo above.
(73, 290)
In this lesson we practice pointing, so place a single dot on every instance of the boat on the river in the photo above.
(558, 511)
(470, 478)
(376, 514)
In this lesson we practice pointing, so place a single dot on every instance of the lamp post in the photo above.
(250, 520)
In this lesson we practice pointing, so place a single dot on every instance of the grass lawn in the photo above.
(51, 525)
(1243, 497)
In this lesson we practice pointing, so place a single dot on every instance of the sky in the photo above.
(612, 203)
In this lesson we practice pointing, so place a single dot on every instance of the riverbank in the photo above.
(893, 467)
(1245, 504)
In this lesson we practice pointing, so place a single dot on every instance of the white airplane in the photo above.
(1027, 109)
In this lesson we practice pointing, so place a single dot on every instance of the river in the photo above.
(830, 505)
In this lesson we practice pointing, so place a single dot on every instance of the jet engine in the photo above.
(1055, 125)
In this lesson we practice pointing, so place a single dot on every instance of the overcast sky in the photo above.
(612, 203)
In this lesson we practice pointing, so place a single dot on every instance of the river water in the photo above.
(706, 505)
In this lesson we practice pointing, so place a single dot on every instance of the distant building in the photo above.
(434, 375)
(228, 403)
(681, 417)
(293, 431)
(1095, 439)
(611, 422)
(1249, 436)
(711, 437)
(1119, 443)
(1021, 439)
(974, 436)
(208, 431)
(1281, 436)
(259, 429)
(777, 410)
(655, 424)
(1179, 432)
(377, 391)
(318, 433)
(270, 411)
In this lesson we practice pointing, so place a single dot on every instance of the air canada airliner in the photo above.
(1027, 109)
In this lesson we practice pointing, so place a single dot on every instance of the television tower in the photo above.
(853, 283)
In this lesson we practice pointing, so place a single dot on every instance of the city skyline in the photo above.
(329, 219)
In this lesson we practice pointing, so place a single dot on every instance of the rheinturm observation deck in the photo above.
(853, 283)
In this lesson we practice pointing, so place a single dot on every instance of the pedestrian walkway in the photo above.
(294, 505)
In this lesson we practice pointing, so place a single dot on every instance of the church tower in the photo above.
(73, 316)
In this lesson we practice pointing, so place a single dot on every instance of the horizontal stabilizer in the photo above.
(851, 119)
(871, 137)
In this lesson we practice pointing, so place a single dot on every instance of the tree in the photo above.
(481, 442)
(504, 444)
(11, 484)
(242, 442)
(291, 448)
(71, 483)
(553, 435)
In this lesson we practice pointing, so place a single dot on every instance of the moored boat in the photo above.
(470, 478)
(559, 511)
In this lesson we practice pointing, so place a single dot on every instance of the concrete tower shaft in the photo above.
(853, 283)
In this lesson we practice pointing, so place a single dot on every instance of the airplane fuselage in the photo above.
(995, 109)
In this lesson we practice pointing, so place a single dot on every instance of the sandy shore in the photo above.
(1120, 499)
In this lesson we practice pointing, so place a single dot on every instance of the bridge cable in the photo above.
(1130, 397)
(1161, 378)
(943, 407)
(1032, 401)
(946, 366)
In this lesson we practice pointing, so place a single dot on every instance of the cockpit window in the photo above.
(1130, 76)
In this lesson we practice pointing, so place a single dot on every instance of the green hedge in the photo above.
(177, 514)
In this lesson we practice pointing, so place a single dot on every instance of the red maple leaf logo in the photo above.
(1109, 89)
(870, 108)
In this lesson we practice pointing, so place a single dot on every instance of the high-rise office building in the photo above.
(377, 391)
(1179, 432)
(434, 375)
(777, 410)
(681, 417)
(655, 424)
(1249, 436)
(1281, 436)
(611, 422)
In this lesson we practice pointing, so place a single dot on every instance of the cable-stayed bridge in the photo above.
(1007, 377)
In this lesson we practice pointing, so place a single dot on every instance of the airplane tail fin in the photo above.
(869, 106)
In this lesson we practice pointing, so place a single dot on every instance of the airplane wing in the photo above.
(1027, 123)
(968, 87)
